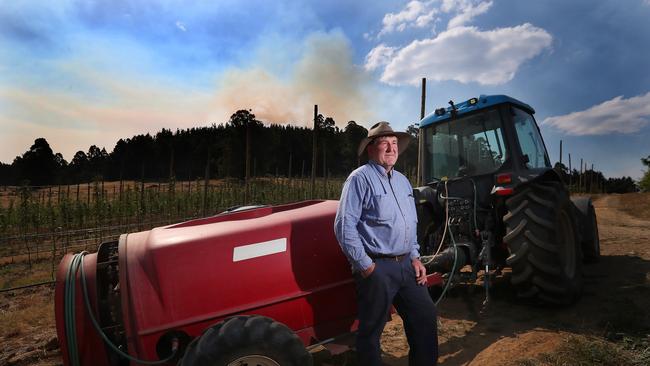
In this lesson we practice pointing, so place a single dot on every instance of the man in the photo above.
(376, 227)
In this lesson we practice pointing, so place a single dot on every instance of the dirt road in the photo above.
(614, 307)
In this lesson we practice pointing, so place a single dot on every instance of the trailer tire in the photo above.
(242, 340)
(591, 242)
(545, 251)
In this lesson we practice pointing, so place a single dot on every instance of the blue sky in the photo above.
(90, 72)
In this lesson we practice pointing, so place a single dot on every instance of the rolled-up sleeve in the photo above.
(347, 218)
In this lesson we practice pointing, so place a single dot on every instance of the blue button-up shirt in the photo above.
(376, 215)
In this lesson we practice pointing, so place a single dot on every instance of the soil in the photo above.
(613, 306)
(614, 303)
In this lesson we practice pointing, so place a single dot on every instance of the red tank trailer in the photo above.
(256, 286)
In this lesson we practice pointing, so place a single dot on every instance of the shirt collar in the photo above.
(380, 169)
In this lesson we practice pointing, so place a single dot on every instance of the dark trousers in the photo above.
(393, 282)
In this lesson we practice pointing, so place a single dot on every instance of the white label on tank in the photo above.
(259, 249)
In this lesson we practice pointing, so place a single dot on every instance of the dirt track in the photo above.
(614, 305)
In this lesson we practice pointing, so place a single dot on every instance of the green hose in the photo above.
(453, 268)
(70, 319)
(69, 313)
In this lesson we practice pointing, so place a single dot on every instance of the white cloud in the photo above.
(464, 54)
(468, 12)
(416, 13)
(421, 14)
(181, 26)
(379, 56)
(426, 19)
(617, 115)
(449, 5)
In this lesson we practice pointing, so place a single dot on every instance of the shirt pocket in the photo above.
(407, 203)
(382, 210)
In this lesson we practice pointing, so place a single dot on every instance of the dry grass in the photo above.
(27, 331)
(583, 350)
(636, 204)
(21, 313)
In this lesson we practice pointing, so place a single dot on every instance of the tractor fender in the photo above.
(525, 178)
(546, 175)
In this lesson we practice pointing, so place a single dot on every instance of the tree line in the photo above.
(593, 181)
(216, 151)
(219, 151)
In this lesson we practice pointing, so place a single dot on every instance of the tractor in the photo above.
(492, 200)
(262, 285)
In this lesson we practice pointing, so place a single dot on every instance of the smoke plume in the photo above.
(324, 75)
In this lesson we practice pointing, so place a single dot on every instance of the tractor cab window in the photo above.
(467, 146)
(530, 140)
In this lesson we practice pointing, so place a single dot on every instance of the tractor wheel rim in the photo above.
(253, 360)
(567, 238)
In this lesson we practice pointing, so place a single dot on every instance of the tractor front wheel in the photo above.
(247, 340)
(545, 251)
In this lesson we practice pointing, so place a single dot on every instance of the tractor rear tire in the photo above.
(247, 340)
(545, 252)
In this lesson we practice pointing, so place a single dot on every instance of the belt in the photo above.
(396, 258)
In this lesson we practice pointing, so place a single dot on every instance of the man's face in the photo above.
(384, 151)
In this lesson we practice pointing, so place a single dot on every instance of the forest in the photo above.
(284, 150)
(219, 151)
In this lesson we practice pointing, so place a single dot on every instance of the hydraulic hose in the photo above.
(453, 269)
(444, 231)
(451, 236)
(474, 209)
(70, 317)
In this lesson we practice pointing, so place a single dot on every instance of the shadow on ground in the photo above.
(613, 305)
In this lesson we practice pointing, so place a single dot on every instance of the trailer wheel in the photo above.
(545, 251)
(247, 340)
(591, 243)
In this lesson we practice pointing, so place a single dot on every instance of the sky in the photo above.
(81, 73)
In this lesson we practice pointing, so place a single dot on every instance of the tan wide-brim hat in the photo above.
(383, 129)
